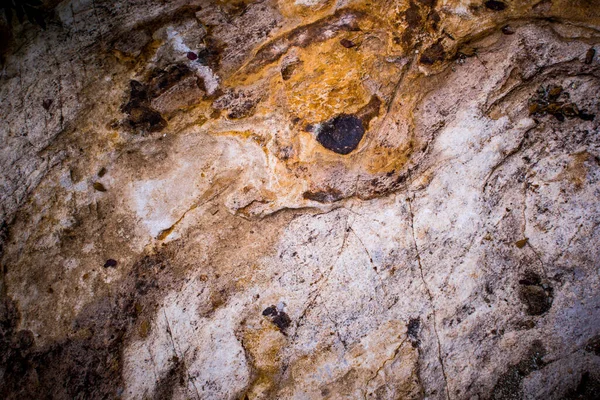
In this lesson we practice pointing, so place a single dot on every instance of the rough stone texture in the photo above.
(171, 225)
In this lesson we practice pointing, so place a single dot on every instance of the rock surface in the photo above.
(301, 199)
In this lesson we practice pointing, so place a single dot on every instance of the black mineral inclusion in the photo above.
(341, 134)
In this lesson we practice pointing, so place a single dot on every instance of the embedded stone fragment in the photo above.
(341, 134)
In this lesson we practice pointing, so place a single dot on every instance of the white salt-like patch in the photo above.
(148, 205)
(307, 3)
(80, 186)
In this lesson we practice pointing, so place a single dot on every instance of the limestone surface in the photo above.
(301, 199)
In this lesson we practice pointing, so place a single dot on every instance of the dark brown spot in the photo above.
(530, 278)
(434, 18)
(570, 110)
(347, 43)
(495, 5)
(369, 111)
(99, 187)
(535, 298)
(141, 117)
(525, 325)
(47, 104)
(589, 55)
(24, 339)
(110, 263)
(282, 321)
(324, 196)
(433, 54)
(288, 70)
(413, 16)
(278, 318)
(521, 243)
(168, 382)
(535, 295)
(145, 119)
(593, 345)
(552, 100)
(554, 92)
(269, 311)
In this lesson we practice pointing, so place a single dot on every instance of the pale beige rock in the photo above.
(453, 253)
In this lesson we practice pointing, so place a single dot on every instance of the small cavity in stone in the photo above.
(534, 294)
(589, 55)
(495, 5)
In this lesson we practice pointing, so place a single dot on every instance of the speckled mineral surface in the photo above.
(300, 199)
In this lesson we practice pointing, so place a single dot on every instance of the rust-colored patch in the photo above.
(264, 346)
(521, 243)
(577, 170)
(327, 84)
(144, 328)
(319, 31)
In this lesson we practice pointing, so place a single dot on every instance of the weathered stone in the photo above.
(180, 96)
(306, 199)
